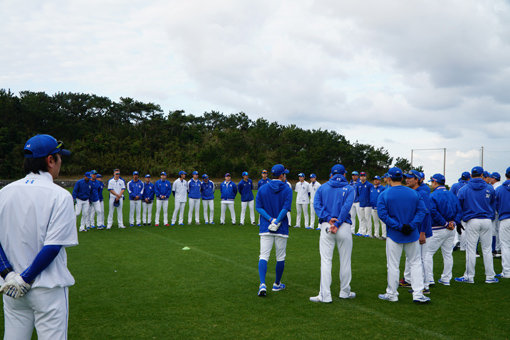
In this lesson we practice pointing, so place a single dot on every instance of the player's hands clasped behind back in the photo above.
(332, 227)
(273, 226)
(14, 286)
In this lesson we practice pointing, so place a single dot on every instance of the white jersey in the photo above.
(302, 189)
(116, 185)
(181, 190)
(35, 212)
(314, 186)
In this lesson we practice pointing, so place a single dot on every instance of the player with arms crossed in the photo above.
(333, 203)
(273, 201)
(37, 222)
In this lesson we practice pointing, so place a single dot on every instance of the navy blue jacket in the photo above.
(445, 207)
(94, 195)
(334, 199)
(245, 189)
(207, 189)
(82, 190)
(149, 191)
(477, 200)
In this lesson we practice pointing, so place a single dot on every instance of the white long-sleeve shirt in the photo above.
(302, 189)
(314, 186)
(180, 187)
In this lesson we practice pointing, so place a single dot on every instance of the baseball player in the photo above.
(446, 216)
(375, 191)
(96, 202)
(355, 206)
(477, 201)
(149, 191)
(314, 186)
(228, 191)
(135, 189)
(486, 176)
(495, 181)
(163, 190)
(194, 187)
(116, 187)
(82, 192)
(290, 186)
(273, 202)
(403, 211)
(302, 200)
(245, 188)
(364, 210)
(263, 180)
(207, 190)
(180, 192)
(503, 210)
(460, 238)
(333, 202)
(37, 223)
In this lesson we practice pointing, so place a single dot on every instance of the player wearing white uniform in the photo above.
(245, 188)
(302, 200)
(314, 186)
(355, 206)
(37, 223)
(81, 194)
(180, 192)
(207, 191)
(333, 202)
(116, 187)
(149, 191)
(228, 191)
(503, 210)
(135, 189)
(194, 188)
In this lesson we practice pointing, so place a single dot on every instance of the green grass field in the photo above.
(138, 283)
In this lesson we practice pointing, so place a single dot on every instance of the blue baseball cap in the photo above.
(162, 173)
(99, 176)
(465, 176)
(93, 172)
(338, 169)
(245, 173)
(148, 176)
(496, 176)
(386, 175)
(136, 173)
(355, 173)
(507, 171)
(42, 146)
(182, 173)
(413, 173)
(439, 178)
(228, 174)
(194, 173)
(205, 176)
(395, 173)
(279, 169)
(377, 177)
(87, 174)
(301, 174)
(313, 176)
(486, 174)
(477, 171)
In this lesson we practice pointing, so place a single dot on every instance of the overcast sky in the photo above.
(398, 74)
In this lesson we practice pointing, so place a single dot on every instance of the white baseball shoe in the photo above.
(351, 295)
(421, 299)
(318, 299)
(388, 297)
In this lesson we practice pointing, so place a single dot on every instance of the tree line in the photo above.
(131, 135)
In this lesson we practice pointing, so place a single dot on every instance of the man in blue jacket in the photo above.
(245, 188)
(332, 203)
(100, 187)
(375, 191)
(460, 239)
(403, 210)
(355, 206)
(147, 198)
(163, 190)
(194, 195)
(273, 202)
(263, 180)
(95, 203)
(207, 190)
(495, 179)
(135, 189)
(81, 195)
(477, 201)
(446, 215)
(365, 210)
(503, 209)
(228, 191)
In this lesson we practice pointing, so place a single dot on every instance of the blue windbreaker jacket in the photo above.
(363, 193)
(477, 200)
(274, 200)
(228, 191)
(207, 189)
(163, 188)
(445, 207)
(194, 188)
(245, 189)
(82, 190)
(148, 191)
(503, 200)
(135, 189)
(334, 199)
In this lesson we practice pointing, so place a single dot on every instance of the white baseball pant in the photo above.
(96, 210)
(120, 218)
(312, 215)
(343, 241)
(365, 222)
(301, 208)
(377, 222)
(495, 231)
(479, 229)
(504, 235)
(393, 254)
(82, 207)
(441, 238)
(178, 209)
(230, 205)
(45, 308)
(289, 218)
(251, 205)
(135, 208)
(354, 212)
(146, 212)
(194, 205)
(266, 244)
(208, 204)
(161, 204)
(422, 252)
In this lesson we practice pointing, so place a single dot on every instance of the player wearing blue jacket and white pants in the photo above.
(333, 203)
(365, 209)
(100, 211)
(314, 186)
(149, 191)
(403, 210)
(194, 194)
(477, 201)
(228, 191)
(163, 190)
(460, 238)
(135, 189)
(446, 214)
(375, 191)
(302, 200)
(207, 190)
(95, 203)
(180, 191)
(81, 194)
(503, 209)
(273, 202)
(116, 187)
(355, 206)
(245, 188)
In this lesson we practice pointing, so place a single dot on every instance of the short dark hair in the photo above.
(36, 165)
